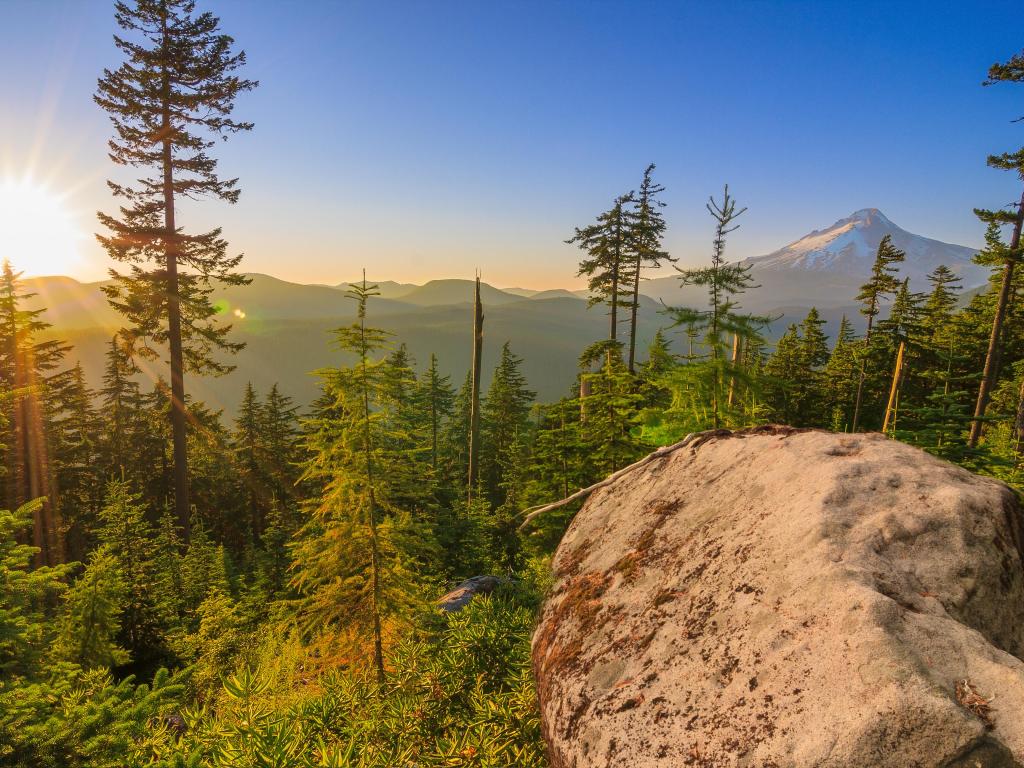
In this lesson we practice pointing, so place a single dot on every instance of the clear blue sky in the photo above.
(423, 139)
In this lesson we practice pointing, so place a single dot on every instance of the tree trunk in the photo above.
(897, 374)
(860, 377)
(178, 437)
(474, 405)
(989, 373)
(633, 313)
(736, 347)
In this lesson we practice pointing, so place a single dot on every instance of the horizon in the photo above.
(458, 150)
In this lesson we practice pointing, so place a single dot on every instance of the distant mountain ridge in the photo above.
(287, 326)
(848, 247)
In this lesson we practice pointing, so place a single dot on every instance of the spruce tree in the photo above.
(169, 101)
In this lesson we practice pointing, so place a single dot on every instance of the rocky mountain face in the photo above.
(848, 248)
(826, 268)
(784, 598)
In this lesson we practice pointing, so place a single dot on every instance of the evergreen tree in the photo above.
(92, 623)
(646, 230)
(882, 283)
(606, 265)
(169, 101)
(840, 376)
(439, 398)
(357, 561)
(506, 413)
(26, 365)
(721, 320)
(250, 460)
(74, 436)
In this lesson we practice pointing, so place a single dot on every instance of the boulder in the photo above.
(782, 597)
(459, 597)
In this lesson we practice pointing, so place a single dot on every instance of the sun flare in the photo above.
(38, 232)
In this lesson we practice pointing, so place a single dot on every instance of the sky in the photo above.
(424, 140)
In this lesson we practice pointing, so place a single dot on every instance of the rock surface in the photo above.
(459, 597)
(782, 598)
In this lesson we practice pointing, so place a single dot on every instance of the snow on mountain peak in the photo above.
(848, 248)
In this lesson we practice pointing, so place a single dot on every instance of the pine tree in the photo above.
(646, 230)
(606, 265)
(169, 101)
(783, 371)
(721, 320)
(872, 294)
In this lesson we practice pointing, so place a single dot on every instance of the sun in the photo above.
(39, 234)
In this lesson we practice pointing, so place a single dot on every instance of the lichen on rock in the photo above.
(788, 598)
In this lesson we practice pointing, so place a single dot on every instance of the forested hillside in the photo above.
(187, 585)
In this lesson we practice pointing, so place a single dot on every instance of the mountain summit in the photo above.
(848, 248)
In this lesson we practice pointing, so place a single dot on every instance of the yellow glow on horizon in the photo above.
(38, 233)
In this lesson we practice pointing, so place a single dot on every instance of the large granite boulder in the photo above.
(783, 598)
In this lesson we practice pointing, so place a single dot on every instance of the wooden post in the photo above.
(896, 375)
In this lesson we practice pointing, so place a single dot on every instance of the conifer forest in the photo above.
(183, 586)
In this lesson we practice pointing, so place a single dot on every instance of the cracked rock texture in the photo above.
(781, 598)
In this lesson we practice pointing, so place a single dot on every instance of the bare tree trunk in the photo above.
(991, 356)
(474, 405)
(897, 375)
(860, 377)
(737, 345)
(178, 417)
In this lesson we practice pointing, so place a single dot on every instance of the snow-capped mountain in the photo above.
(848, 248)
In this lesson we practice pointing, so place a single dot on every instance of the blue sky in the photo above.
(423, 140)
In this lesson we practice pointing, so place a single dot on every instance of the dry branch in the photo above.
(533, 512)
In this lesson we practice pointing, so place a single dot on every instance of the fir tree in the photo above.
(646, 230)
(506, 412)
(873, 293)
(92, 623)
(721, 320)
(26, 365)
(356, 561)
(606, 266)
(840, 375)
(169, 101)
(439, 398)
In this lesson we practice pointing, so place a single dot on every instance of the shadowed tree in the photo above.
(997, 254)
(169, 101)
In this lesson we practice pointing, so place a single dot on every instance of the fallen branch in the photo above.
(691, 438)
